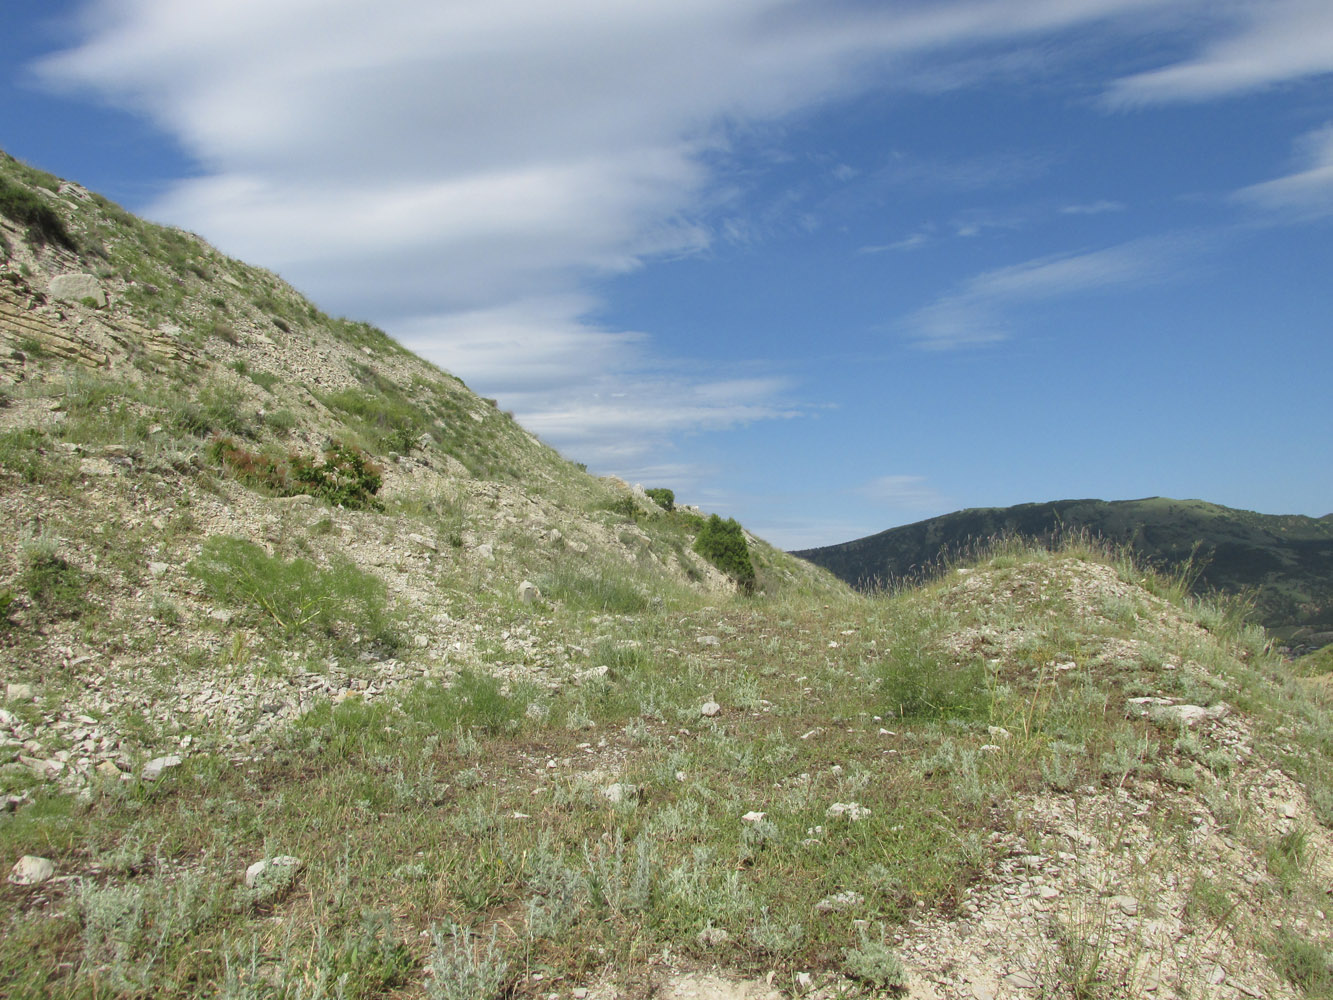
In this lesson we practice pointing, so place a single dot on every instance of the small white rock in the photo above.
(619, 792)
(840, 901)
(18, 692)
(753, 817)
(260, 868)
(31, 870)
(528, 592)
(154, 768)
(713, 937)
(1127, 905)
(710, 709)
(850, 811)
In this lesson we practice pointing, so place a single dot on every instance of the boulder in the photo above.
(76, 288)
(528, 592)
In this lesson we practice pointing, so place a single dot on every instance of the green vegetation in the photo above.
(663, 497)
(723, 544)
(1284, 563)
(34, 211)
(54, 587)
(296, 595)
(493, 796)
(346, 477)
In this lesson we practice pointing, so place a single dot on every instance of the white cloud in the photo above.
(1257, 44)
(903, 493)
(1093, 208)
(463, 172)
(1306, 193)
(977, 312)
(600, 395)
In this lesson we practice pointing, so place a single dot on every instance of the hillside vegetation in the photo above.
(1284, 563)
(324, 679)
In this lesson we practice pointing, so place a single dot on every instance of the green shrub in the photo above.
(722, 543)
(345, 477)
(663, 497)
(916, 683)
(6, 602)
(32, 210)
(53, 585)
(296, 594)
(874, 962)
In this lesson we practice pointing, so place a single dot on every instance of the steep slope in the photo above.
(273, 730)
(162, 405)
(1285, 561)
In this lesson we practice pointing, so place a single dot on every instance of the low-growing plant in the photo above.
(295, 594)
(591, 590)
(461, 970)
(54, 586)
(723, 544)
(663, 497)
(345, 477)
(874, 962)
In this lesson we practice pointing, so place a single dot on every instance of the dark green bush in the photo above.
(722, 543)
(54, 586)
(663, 497)
(346, 476)
(43, 222)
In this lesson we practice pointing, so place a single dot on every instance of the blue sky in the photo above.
(828, 266)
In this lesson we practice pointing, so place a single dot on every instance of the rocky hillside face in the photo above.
(323, 678)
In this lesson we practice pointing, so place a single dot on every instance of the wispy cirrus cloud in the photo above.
(903, 492)
(1093, 208)
(461, 171)
(1253, 46)
(442, 166)
(1307, 193)
(978, 311)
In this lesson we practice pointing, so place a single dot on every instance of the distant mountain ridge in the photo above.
(1286, 560)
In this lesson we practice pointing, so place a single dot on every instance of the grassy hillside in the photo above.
(281, 719)
(1284, 562)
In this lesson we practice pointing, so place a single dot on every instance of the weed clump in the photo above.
(346, 477)
(295, 594)
(43, 222)
(53, 585)
(722, 543)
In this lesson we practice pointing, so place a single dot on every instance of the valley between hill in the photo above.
(324, 678)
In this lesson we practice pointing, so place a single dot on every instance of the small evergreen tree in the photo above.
(663, 497)
(722, 543)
